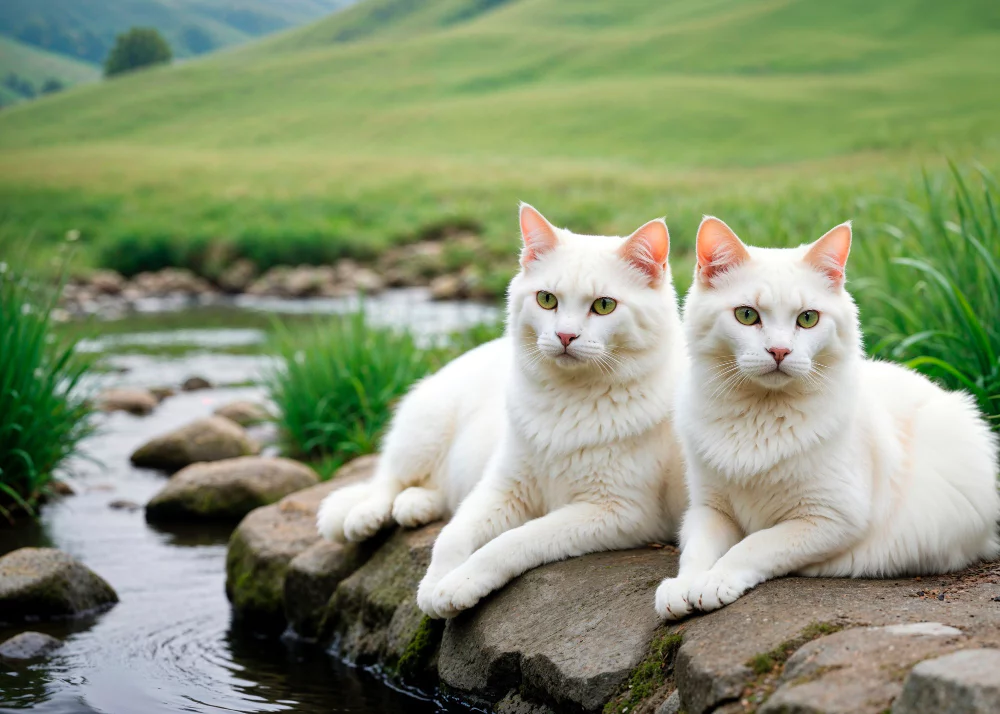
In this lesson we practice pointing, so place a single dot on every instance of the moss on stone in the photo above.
(255, 585)
(650, 675)
(420, 650)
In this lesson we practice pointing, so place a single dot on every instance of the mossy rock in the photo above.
(244, 413)
(267, 539)
(228, 489)
(45, 583)
(373, 614)
(212, 439)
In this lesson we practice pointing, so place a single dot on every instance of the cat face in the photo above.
(589, 303)
(775, 318)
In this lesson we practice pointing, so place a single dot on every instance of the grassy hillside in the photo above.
(86, 29)
(395, 117)
(36, 67)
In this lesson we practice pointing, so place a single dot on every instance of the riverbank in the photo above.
(582, 636)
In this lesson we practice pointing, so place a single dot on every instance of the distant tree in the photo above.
(51, 86)
(19, 85)
(139, 47)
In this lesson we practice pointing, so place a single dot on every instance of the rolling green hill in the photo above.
(394, 116)
(37, 67)
(86, 29)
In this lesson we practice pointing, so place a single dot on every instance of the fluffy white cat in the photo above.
(803, 456)
(584, 456)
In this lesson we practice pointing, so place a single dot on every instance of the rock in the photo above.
(672, 704)
(373, 614)
(244, 413)
(855, 670)
(170, 281)
(124, 505)
(238, 276)
(193, 384)
(134, 401)
(61, 488)
(959, 683)
(267, 540)
(448, 287)
(312, 577)
(28, 645)
(107, 282)
(45, 583)
(367, 281)
(162, 393)
(211, 439)
(227, 489)
(570, 633)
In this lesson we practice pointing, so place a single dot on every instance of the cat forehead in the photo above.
(582, 260)
(774, 277)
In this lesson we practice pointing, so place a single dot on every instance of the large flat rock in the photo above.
(228, 489)
(212, 439)
(569, 633)
(45, 583)
(267, 540)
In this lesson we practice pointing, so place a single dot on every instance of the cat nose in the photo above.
(779, 353)
(566, 338)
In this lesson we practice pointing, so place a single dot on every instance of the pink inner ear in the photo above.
(718, 249)
(647, 249)
(829, 253)
(537, 233)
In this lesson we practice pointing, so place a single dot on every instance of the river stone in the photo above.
(856, 671)
(959, 683)
(46, 583)
(28, 645)
(267, 540)
(227, 489)
(569, 633)
(312, 577)
(244, 413)
(373, 615)
(194, 384)
(134, 401)
(212, 439)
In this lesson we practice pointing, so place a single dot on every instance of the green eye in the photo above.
(747, 315)
(546, 300)
(604, 306)
(808, 319)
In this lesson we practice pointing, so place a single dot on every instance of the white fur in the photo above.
(841, 466)
(586, 459)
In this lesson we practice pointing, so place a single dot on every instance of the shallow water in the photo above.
(169, 646)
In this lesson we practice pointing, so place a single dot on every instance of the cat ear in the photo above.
(829, 254)
(718, 249)
(647, 249)
(538, 234)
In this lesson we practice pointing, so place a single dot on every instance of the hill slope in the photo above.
(28, 64)
(86, 29)
(395, 115)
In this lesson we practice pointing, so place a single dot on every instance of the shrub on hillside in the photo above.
(42, 415)
(139, 47)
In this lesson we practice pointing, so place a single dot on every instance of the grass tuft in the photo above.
(43, 416)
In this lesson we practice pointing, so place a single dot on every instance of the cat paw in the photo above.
(416, 507)
(715, 588)
(459, 591)
(365, 520)
(671, 598)
(330, 521)
(426, 597)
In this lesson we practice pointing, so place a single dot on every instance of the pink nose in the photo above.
(779, 353)
(566, 338)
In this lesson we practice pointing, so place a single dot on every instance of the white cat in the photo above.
(586, 459)
(803, 456)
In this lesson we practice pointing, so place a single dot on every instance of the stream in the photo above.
(168, 645)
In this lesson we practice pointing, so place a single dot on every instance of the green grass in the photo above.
(340, 380)
(930, 292)
(360, 131)
(43, 416)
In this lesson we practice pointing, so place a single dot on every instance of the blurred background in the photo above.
(309, 204)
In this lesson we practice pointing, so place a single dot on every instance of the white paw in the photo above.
(460, 590)
(330, 521)
(425, 597)
(714, 588)
(416, 507)
(671, 598)
(365, 520)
